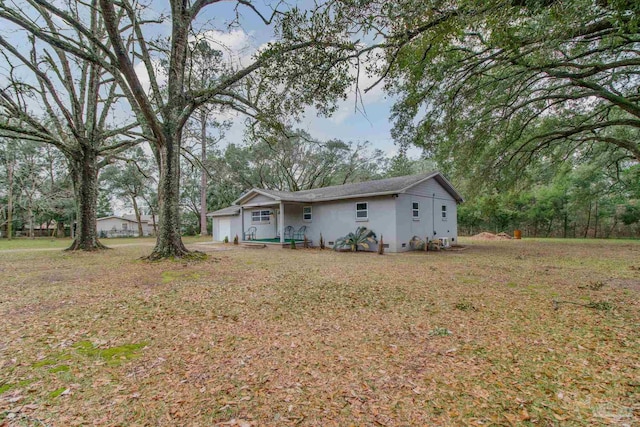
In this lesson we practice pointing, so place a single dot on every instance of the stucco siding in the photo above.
(293, 217)
(337, 218)
(430, 196)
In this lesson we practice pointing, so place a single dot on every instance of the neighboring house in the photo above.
(39, 230)
(399, 208)
(124, 226)
(149, 223)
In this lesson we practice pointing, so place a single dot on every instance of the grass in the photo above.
(437, 338)
(54, 243)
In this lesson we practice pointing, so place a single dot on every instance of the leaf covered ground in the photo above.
(307, 337)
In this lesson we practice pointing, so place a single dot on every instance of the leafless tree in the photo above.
(68, 101)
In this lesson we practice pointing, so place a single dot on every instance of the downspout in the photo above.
(433, 214)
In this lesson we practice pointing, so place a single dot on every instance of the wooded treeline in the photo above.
(571, 200)
(575, 202)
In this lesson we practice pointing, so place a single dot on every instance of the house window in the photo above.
(261, 217)
(124, 225)
(415, 211)
(306, 213)
(362, 211)
(444, 213)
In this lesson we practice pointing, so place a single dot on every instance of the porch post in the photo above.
(242, 222)
(281, 222)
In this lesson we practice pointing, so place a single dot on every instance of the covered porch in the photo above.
(274, 222)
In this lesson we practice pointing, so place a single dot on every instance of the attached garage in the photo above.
(226, 223)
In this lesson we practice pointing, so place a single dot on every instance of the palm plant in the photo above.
(362, 238)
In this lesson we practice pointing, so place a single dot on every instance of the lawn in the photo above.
(280, 337)
(54, 243)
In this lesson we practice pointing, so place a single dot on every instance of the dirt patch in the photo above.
(490, 236)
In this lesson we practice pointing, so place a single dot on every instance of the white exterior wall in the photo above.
(293, 217)
(430, 196)
(264, 230)
(338, 218)
(235, 227)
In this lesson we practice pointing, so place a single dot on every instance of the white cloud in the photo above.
(143, 75)
(235, 45)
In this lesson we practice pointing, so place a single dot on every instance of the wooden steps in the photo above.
(254, 245)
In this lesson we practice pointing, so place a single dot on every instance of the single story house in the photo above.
(125, 225)
(398, 208)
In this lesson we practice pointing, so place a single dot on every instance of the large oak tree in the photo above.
(502, 82)
(71, 102)
(307, 63)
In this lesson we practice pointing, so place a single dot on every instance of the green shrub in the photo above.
(465, 306)
(440, 332)
(363, 238)
(600, 305)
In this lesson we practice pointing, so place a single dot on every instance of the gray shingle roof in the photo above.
(229, 210)
(367, 188)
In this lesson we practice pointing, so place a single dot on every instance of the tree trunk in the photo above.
(153, 218)
(10, 201)
(595, 231)
(586, 229)
(85, 185)
(203, 177)
(613, 227)
(59, 229)
(169, 241)
(32, 234)
(137, 212)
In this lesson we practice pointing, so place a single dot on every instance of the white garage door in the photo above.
(225, 229)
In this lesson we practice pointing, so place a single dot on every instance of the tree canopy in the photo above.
(494, 85)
